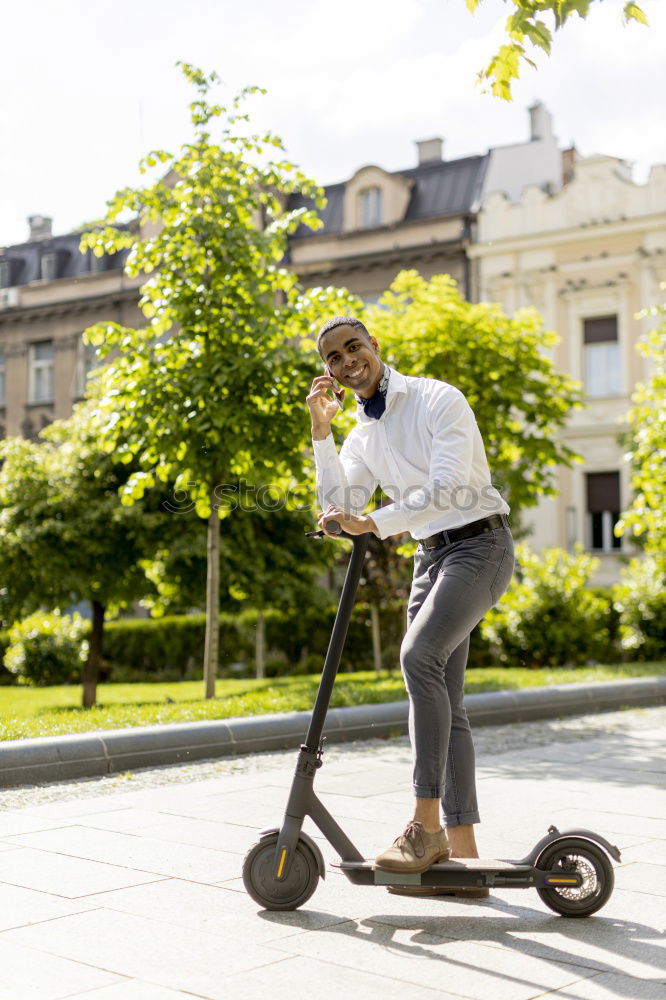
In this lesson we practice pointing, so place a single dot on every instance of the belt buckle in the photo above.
(441, 538)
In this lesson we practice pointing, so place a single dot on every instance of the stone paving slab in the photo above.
(24, 975)
(145, 854)
(414, 956)
(294, 976)
(159, 952)
(130, 889)
(22, 906)
(70, 877)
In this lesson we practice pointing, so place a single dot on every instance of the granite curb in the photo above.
(85, 755)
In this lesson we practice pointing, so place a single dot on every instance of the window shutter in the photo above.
(599, 329)
(603, 492)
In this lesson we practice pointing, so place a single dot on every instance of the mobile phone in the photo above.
(338, 393)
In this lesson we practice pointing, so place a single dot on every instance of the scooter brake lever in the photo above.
(333, 526)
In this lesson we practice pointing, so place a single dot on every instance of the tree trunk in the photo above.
(90, 675)
(211, 644)
(260, 646)
(376, 637)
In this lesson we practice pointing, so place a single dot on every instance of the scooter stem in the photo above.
(337, 640)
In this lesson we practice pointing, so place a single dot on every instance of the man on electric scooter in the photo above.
(418, 439)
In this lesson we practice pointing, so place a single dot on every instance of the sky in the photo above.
(87, 88)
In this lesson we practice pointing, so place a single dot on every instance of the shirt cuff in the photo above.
(389, 520)
(325, 451)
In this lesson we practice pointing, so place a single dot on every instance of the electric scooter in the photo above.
(571, 871)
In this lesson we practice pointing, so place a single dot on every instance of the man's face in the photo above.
(353, 359)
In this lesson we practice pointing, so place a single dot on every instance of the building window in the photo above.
(602, 356)
(40, 361)
(5, 274)
(2, 377)
(49, 265)
(371, 207)
(603, 510)
(86, 360)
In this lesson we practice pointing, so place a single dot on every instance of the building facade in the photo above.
(379, 223)
(49, 294)
(522, 224)
(375, 224)
(589, 257)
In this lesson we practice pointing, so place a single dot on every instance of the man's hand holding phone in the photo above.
(322, 405)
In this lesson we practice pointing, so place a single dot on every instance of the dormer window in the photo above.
(49, 266)
(370, 205)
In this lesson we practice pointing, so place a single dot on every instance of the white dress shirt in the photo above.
(426, 453)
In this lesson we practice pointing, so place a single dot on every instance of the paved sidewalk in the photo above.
(128, 887)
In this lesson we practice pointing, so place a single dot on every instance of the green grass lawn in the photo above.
(28, 712)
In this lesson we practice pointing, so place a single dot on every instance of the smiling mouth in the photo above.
(357, 374)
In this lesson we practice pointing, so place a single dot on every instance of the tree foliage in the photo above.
(499, 362)
(211, 389)
(64, 534)
(530, 27)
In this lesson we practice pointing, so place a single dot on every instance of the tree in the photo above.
(426, 328)
(266, 557)
(64, 534)
(645, 518)
(213, 388)
(526, 26)
(283, 566)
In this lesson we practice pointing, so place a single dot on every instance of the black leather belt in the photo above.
(466, 531)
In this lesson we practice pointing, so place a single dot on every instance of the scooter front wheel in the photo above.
(575, 855)
(292, 892)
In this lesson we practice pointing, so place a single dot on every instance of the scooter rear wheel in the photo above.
(574, 855)
(289, 894)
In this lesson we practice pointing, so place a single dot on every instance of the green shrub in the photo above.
(548, 617)
(47, 648)
(640, 599)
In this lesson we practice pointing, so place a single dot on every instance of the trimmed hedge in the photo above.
(171, 648)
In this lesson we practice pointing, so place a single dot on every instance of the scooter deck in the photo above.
(458, 874)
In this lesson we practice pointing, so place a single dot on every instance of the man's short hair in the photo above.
(331, 324)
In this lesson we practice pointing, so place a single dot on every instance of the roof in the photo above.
(25, 259)
(443, 187)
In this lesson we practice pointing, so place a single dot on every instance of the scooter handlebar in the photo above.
(335, 528)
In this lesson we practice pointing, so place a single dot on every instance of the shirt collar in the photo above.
(397, 383)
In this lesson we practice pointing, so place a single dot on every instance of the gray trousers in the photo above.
(453, 587)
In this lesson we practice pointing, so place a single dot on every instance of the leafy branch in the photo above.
(525, 27)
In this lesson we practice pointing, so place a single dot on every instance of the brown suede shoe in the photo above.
(437, 890)
(414, 850)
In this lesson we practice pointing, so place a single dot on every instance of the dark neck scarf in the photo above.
(375, 405)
